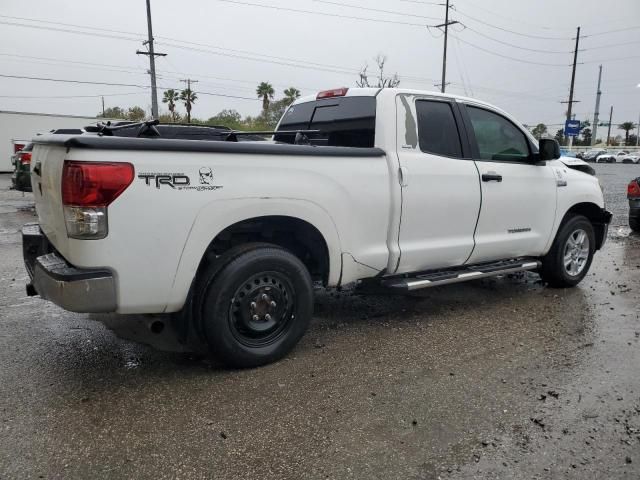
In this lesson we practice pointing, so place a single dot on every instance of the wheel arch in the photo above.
(224, 224)
(594, 213)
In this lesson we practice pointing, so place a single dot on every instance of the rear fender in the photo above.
(216, 216)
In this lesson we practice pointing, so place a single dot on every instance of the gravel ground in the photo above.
(500, 378)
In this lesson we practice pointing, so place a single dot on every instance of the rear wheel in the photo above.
(571, 254)
(634, 223)
(255, 308)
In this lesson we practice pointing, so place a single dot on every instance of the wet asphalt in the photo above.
(498, 378)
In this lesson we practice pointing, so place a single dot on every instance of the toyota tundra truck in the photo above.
(396, 188)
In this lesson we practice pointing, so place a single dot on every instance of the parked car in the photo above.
(396, 188)
(633, 194)
(631, 158)
(567, 153)
(612, 157)
(21, 161)
(591, 155)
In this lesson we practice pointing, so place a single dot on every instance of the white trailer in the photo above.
(23, 126)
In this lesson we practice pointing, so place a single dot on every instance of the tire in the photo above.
(634, 223)
(254, 305)
(571, 253)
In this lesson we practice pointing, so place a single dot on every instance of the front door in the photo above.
(518, 196)
(440, 185)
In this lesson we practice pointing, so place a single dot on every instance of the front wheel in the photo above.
(255, 308)
(571, 253)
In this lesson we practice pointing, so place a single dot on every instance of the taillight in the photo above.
(25, 158)
(88, 188)
(633, 189)
(336, 92)
(17, 147)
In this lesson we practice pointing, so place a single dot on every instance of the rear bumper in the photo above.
(54, 279)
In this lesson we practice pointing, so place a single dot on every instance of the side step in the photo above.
(472, 272)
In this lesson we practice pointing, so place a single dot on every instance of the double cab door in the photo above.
(470, 191)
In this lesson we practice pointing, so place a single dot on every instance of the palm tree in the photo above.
(189, 97)
(265, 91)
(626, 126)
(170, 97)
(291, 94)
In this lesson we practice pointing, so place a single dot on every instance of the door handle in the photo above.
(402, 176)
(491, 177)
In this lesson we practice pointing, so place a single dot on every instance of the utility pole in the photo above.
(610, 118)
(187, 98)
(573, 79)
(638, 134)
(594, 131)
(152, 62)
(103, 106)
(446, 24)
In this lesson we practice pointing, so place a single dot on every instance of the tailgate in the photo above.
(46, 172)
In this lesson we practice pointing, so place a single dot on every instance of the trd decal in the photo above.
(180, 181)
(519, 230)
(173, 180)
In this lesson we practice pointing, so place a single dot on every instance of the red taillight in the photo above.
(94, 184)
(25, 158)
(633, 189)
(336, 92)
(17, 147)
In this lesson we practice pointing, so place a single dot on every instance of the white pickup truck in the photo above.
(400, 188)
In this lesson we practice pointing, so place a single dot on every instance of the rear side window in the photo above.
(498, 138)
(437, 129)
(342, 121)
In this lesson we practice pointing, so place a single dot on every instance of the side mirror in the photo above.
(549, 149)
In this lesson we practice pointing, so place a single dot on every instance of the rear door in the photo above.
(440, 184)
(518, 196)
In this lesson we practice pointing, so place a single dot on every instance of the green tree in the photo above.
(170, 97)
(540, 130)
(136, 113)
(586, 136)
(265, 91)
(113, 112)
(626, 126)
(189, 97)
(227, 118)
(559, 136)
(291, 94)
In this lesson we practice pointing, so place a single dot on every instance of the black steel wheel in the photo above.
(255, 307)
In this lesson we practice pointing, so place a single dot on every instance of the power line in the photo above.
(423, 3)
(262, 60)
(24, 77)
(74, 25)
(325, 14)
(517, 21)
(612, 31)
(72, 96)
(611, 45)
(359, 7)
(61, 80)
(64, 30)
(510, 58)
(521, 34)
(563, 52)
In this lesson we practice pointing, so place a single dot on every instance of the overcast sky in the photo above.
(230, 46)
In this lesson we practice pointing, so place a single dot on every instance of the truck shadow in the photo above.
(515, 306)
